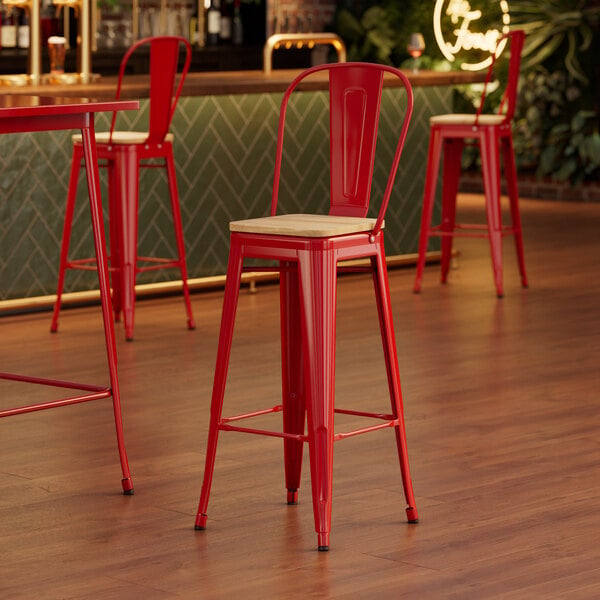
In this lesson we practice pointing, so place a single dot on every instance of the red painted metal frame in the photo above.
(29, 114)
(124, 161)
(308, 280)
(449, 139)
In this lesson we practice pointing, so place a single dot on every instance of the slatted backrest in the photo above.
(355, 91)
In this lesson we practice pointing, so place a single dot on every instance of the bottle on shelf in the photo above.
(193, 33)
(49, 23)
(213, 23)
(237, 32)
(23, 34)
(8, 29)
(226, 22)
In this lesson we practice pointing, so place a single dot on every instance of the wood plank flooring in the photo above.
(502, 405)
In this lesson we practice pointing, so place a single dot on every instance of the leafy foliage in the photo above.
(552, 134)
(556, 25)
(559, 114)
(379, 31)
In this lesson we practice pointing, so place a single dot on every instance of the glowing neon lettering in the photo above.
(464, 17)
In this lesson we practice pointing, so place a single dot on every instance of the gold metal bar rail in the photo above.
(300, 40)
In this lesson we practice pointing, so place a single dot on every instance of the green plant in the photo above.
(378, 31)
(554, 25)
(553, 135)
(370, 36)
(558, 122)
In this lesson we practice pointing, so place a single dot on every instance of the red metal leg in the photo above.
(176, 211)
(510, 172)
(66, 236)
(451, 175)
(384, 308)
(127, 174)
(292, 364)
(317, 273)
(230, 300)
(433, 165)
(490, 166)
(93, 183)
(114, 224)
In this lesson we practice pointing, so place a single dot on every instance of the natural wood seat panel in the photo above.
(122, 137)
(304, 225)
(466, 119)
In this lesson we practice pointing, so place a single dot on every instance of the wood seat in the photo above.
(466, 119)
(122, 137)
(303, 225)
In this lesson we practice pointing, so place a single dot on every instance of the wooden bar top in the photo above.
(225, 83)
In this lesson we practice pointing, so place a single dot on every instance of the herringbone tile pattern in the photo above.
(225, 150)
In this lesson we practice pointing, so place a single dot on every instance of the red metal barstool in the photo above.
(308, 249)
(124, 153)
(491, 132)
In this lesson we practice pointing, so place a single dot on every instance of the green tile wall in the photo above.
(225, 148)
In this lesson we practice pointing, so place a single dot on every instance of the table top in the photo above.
(19, 105)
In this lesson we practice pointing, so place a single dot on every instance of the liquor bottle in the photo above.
(8, 29)
(193, 33)
(23, 32)
(225, 33)
(237, 35)
(213, 23)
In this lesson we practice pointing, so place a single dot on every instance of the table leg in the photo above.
(93, 183)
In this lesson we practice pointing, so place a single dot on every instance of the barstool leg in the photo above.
(230, 301)
(513, 195)
(127, 175)
(176, 211)
(490, 166)
(451, 175)
(115, 227)
(292, 365)
(384, 309)
(66, 236)
(317, 272)
(433, 165)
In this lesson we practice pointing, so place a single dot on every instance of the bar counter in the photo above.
(228, 83)
(225, 129)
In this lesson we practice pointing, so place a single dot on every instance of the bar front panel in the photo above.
(224, 152)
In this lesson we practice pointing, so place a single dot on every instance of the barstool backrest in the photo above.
(355, 92)
(515, 40)
(165, 85)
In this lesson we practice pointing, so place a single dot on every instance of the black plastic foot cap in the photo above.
(323, 548)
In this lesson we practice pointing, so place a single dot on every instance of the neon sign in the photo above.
(461, 29)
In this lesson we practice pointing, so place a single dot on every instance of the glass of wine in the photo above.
(415, 47)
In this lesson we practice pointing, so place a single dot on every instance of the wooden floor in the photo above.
(502, 405)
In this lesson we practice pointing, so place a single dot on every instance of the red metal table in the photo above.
(20, 114)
